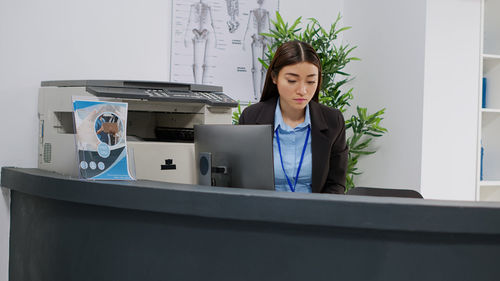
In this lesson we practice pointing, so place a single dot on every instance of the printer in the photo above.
(160, 121)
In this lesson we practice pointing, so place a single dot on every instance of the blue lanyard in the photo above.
(292, 187)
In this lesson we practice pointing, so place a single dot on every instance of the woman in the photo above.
(310, 150)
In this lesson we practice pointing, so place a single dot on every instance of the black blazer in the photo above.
(328, 142)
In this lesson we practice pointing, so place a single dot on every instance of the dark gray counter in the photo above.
(70, 229)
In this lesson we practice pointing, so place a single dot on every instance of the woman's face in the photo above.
(296, 84)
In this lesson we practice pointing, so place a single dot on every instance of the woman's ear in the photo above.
(273, 77)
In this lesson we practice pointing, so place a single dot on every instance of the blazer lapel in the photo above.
(319, 146)
(266, 114)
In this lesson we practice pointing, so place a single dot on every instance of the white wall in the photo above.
(492, 27)
(57, 39)
(449, 146)
(324, 11)
(390, 35)
(420, 60)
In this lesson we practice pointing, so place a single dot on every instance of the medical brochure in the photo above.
(101, 139)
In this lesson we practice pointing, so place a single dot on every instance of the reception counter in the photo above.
(70, 229)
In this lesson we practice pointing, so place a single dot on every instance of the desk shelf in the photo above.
(489, 191)
(490, 62)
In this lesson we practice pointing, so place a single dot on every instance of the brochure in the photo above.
(101, 139)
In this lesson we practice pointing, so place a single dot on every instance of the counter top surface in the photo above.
(360, 212)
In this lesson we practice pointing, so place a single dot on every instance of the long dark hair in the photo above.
(289, 53)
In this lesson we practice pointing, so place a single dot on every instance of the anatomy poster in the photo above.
(217, 42)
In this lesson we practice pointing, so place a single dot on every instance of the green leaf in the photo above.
(237, 114)
(362, 152)
(264, 63)
(273, 35)
(342, 29)
(294, 25)
(279, 18)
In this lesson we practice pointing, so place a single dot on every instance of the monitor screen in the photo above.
(234, 156)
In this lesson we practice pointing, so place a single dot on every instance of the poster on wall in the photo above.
(101, 139)
(217, 42)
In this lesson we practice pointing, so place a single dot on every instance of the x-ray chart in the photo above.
(217, 42)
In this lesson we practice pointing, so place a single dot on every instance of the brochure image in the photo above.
(101, 139)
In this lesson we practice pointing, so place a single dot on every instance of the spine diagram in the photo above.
(233, 10)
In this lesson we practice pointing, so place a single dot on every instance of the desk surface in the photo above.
(70, 229)
(358, 212)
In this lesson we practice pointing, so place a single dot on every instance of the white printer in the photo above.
(160, 121)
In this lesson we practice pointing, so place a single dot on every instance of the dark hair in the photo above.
(289, 53)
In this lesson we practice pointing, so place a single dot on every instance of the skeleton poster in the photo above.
(218, 42)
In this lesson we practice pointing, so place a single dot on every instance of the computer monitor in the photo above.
(234, 156)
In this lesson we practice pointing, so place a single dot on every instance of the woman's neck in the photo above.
(292, 117)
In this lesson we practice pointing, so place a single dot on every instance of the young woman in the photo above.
(310, 150)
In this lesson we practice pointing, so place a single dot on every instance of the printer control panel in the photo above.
(210, 97)
(167, 95)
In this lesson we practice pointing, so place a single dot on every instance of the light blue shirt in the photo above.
(292, 143)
